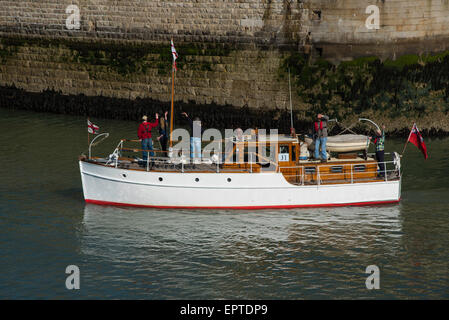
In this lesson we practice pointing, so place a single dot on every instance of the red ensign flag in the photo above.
(416, 138)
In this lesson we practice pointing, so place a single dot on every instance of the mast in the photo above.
(291, 108)
(172, 97)
(173, 69)
(88, 134)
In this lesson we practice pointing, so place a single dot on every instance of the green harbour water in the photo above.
(134, 253)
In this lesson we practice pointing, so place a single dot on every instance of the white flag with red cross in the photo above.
(92, 128)
(175, 55)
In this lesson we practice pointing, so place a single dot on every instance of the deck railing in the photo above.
(322, 174)
(326, 177)
(310, 173)
(179, 162)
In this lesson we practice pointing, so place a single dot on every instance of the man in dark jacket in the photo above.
(320, 136)
(144, 134)
(163, 133)
(379, 143)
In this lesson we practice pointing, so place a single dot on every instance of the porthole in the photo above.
(124, 175)
(359, 168)
(229, 179)
(160, 179)
(196, 179)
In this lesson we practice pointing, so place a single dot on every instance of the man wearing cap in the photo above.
(144, 134)
(320, 136)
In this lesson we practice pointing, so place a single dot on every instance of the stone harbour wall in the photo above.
(325, 23)
(206, 74)
(231, 52)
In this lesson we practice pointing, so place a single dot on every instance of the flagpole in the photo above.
(88, 134)
(406, 143)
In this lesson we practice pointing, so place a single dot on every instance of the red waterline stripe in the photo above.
(107, 203)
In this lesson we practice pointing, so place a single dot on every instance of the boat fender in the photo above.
(215, 158)
(397, 161)
(304, 153)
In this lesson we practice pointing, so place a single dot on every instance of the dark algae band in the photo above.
(409, 88)
(214, 116)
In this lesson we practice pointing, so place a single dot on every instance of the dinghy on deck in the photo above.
(344, 143)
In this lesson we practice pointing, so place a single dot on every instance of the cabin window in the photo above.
(283, 149)
(264, 159)
(294, 153)
(268, 153)
(246, 155)
(359, 168)
(310, 170)
(283, 154)
(337, 169)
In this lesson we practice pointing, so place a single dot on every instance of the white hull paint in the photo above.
(108, 185)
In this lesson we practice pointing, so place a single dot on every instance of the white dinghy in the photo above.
(344, 143)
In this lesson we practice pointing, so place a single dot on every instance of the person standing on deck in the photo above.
(195, 137)
(320, 136)
(144, 134)
(163, 133)
(379, 143)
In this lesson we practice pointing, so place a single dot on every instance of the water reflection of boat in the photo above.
(145, 233)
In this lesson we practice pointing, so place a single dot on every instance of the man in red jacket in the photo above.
(144, 134)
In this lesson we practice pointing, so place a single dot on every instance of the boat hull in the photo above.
(114, 186)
